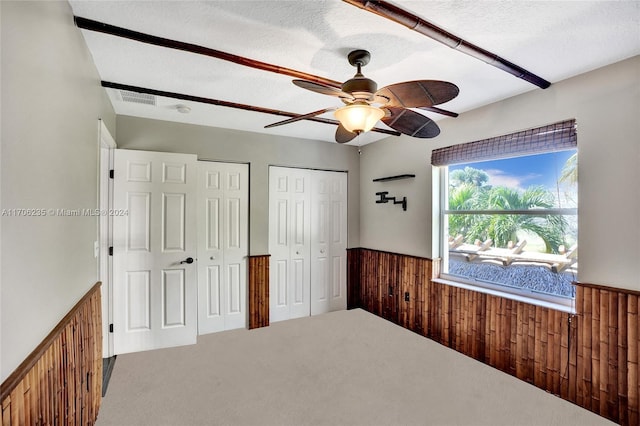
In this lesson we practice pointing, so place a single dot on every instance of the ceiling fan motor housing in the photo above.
(360, 87)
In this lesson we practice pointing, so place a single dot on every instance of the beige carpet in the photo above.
(342, 368)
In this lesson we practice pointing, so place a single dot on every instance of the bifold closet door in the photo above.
(290, 243)
(307, 240)
(223, 214)
(328, 241)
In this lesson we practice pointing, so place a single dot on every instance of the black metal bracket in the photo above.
(385, 199)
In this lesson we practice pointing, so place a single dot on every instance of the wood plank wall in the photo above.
(60, 383)
(589, 358)
(258, 291)
(608, 343)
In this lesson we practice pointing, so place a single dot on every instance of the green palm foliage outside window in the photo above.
(503, 228)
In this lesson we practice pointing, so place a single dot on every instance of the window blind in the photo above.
(553, 137)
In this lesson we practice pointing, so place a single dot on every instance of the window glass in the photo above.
(513, 223)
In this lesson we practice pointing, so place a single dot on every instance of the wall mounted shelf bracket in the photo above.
(385, 199)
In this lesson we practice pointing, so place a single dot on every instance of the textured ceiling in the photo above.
(552, 39)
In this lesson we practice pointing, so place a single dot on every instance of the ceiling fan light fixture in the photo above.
(359, 117)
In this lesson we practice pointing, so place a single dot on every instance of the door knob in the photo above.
(188, 260)
(322, 251)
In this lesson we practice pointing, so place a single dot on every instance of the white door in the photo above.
(289, 241)
(328, 242)
(307, 242)
(154, 286)
(223, 212)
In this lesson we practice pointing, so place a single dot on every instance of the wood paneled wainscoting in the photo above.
(589, 358)
(60, 382)
(259, 291)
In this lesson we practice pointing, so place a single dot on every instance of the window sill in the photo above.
(568, 308)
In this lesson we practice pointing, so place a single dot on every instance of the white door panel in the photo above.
(154, 294)
(320, 247)
(329, 219)
(289, 212)
(300, 245)
(278, 244)
(223, 215)
(338, 242)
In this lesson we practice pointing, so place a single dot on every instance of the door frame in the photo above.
(106, 146)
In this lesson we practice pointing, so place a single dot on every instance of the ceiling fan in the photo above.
(365, 104)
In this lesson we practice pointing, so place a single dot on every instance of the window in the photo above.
(509, 212)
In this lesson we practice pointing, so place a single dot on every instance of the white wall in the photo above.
(386, 226)
(260, 151)
(606, 105)
(51, 102)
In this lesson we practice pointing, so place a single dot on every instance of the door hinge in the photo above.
(110, 251)
(111, 173)
(110, 328)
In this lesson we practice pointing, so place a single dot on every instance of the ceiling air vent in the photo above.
(137, 98)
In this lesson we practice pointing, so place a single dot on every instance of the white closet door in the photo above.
(307, 239)
(279, 247)
(223, 199)
(154, 242)
(338, 243)
(290, 243)
(299, 291)
(329, 242)
(321, 212)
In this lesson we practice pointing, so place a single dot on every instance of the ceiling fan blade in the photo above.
(411, 123)
(300, 117)
(419, 93)
(440, 111)
(343, 135)
(322, 88)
